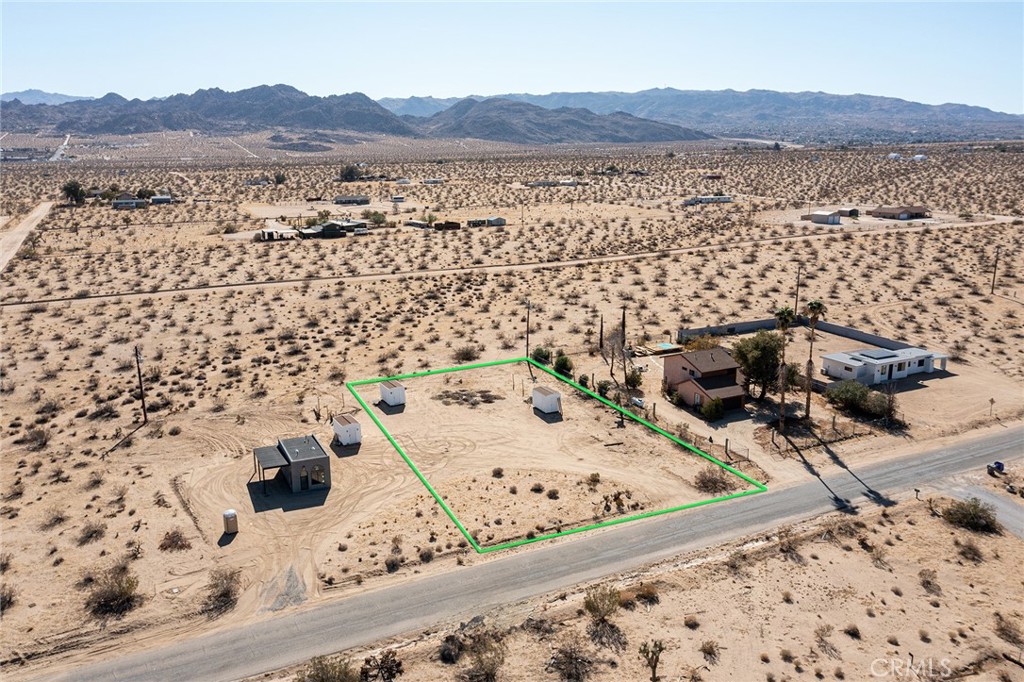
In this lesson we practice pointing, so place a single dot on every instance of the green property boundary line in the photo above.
(351, 385)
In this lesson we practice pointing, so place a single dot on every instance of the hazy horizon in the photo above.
(932, 53)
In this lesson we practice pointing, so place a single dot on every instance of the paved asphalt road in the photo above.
(418, 604)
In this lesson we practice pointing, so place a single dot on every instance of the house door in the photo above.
(696, 399)
(889, 377)
(303, 479)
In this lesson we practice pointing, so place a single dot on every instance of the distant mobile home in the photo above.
(900, 212)
(433, 181)
(352, 200)
(696, 201)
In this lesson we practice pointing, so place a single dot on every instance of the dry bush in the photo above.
(114, 592)
(486, 651)
(325, 669)
(222, 590)
(713, 481)
(91, 531)
(973, 514)
(7, 597)
(1008, 631)
(928, 578)
(711, 650)
(572, 660)
(174, 540)
(5, 562)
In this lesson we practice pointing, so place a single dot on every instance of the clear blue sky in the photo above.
(966, 52)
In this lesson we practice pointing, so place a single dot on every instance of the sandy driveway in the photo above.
(11, 240)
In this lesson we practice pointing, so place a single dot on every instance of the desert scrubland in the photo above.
(243, 342)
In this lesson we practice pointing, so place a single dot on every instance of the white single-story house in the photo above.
(878, 365)
(275, 234)
(547, 400)
(346, 430)
(392, 393)
(403, 181)
(161, 199)
(822, 217)
(433, 181)
(920, 157)
(397, 199)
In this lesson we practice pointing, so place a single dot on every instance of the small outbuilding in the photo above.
(822, 217)
(849, 212)
(352, 200)
(302, 463)
(547, 400)
(392, 393)
(346, 430)
(495, 221)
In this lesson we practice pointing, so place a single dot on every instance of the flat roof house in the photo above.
(302, 463)
(699, 376)
(547, 400)
(901, 212)
(879, 365)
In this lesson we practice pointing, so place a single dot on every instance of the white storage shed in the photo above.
(347, 430)
(547, 400)
(392, 393)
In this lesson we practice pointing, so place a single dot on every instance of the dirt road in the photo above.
(12, 239)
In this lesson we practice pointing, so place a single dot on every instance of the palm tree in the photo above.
(813, 311)
(784, 317)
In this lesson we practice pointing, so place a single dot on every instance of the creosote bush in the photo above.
(972, 514)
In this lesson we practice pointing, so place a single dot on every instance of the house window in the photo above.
(848, 369)
(920, 363)
(692, 373)
(899, 367)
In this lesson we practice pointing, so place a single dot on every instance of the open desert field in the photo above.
(245, 342)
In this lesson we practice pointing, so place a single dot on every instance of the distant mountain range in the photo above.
(283, 107)
(658, 115)
(39, 97)
(795, 116)
(502, 120)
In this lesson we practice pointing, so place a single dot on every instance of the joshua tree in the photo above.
(813, 311)
(784, 318)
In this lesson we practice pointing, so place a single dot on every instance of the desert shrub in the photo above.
(385, 667)
(427, 555)
(929, 582)
(541, 355)
(114, 592)
(713, 410)
(553, 493)
(848, 394)
(852, 631)
(487, 653)
(7, 597)
(970, 551)
(691, 622)
(497, 472)
(634, 378)
(174, 540)
(603, 387)
(563, 364)
(572, 661)
(467, 354)
(648, 595)
(602, 602)
(91, 531)
(713, 481)
(711, 650)
(451, 649)
(1008, 631)
(222, 590)
(537, 488)
(392, 563)
(972, 514)
(5, 562)
(324, 669)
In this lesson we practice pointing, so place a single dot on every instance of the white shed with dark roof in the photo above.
(547, 400)
(392, 393)
(346, 430)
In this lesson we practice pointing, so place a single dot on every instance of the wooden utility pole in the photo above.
(623, 326)
(796, 298)
(995, 269)
(527, 327)
(142, 391)
(600, 338)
